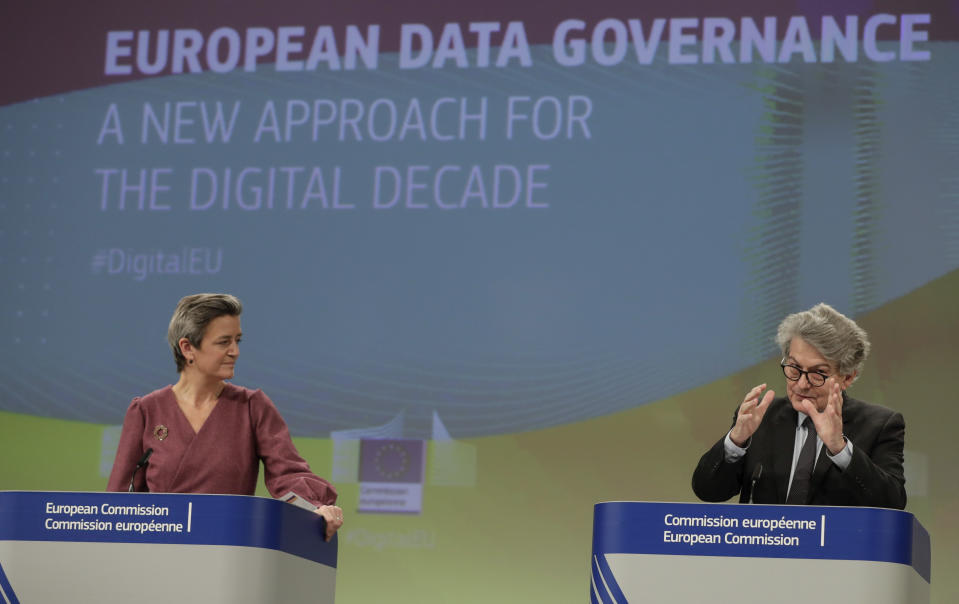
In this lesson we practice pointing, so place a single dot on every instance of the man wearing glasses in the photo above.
(816, 445)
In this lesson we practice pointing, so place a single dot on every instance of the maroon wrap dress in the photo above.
(222, 458)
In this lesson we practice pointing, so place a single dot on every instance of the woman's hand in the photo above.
(334, 518)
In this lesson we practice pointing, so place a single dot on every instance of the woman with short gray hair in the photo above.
(206, 434)
(191, 317)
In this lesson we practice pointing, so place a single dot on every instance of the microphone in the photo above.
(142, 463)
(757, 474)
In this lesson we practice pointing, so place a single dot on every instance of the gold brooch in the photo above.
(160, 432)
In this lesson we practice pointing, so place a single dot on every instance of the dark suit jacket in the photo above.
(874, 477)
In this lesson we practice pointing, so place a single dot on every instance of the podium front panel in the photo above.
(122, 547)
(686, 552)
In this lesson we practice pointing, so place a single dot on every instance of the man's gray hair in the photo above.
(192, 315)
(837, 337)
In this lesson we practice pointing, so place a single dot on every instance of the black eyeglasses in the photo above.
(793, 373)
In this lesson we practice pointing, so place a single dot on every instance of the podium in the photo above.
(691, 552)
(146, 547)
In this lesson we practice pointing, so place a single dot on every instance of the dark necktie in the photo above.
(799, 491)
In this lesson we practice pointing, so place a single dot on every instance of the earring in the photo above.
(190, 361)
